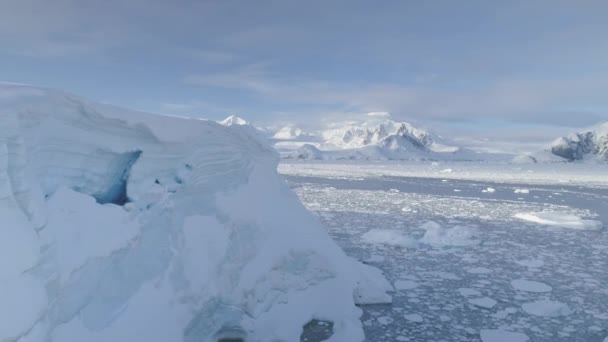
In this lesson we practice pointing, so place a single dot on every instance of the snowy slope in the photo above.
(124, 226)
(288, 133)
(589, 144)
(234, 120)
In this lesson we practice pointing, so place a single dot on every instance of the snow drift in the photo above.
(124, 226)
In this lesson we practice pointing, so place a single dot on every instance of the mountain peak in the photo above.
(582, 145)
(234, 120)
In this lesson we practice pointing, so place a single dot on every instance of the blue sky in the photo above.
(499, 70)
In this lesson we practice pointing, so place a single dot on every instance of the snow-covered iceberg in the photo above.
(117, 225)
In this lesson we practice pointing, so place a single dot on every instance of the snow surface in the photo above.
(125, 226)
(558, 219)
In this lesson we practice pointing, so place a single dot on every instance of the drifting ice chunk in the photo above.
(415, 318)
(530, 286)
(456, 236)
(405, 285)
(532, 263)
(468, 292)
(557, 219)
(484, 302)
(389, 237)
(496, 335)
(546, 308)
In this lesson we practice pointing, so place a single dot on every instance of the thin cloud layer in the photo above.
(442, 62)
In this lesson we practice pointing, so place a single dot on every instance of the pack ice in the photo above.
(118, 225)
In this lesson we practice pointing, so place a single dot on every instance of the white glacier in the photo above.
(124, 226)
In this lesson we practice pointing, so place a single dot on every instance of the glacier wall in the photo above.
(118, 225)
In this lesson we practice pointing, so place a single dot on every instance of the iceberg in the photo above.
(118, 225)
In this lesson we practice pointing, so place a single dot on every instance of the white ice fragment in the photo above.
(497, 335)
(532, 263)
(530, 286)
(546, 308)
(456, 236)
(484, 302)
(389, 237)
(384, 320)
(468, 292)
(521, 191)
(490, 190)
(405, 284)
(479, 270)
(559, 219)
(415, 318)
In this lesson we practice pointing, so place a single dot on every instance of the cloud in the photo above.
(560, 101)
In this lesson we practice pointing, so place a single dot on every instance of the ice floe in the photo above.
(497, 335)
(546, 308)
(559, 219)
(530, 286)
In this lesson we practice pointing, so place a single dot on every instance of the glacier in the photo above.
(119, 225)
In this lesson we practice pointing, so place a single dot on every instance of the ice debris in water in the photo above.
(560, 219)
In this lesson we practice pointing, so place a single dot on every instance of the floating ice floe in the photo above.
(546, 308)
(521, 191)
(558, 219)
(390, 237)
(464, 291)
(530, 286)
(415, 318)
(490, 190)
(531, 263)
(404, 284)
(479, 270)
(436, 235)
(484, 302)
(497, 335)
(456, 236)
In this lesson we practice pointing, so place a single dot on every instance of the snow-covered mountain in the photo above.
(118, 225)
(377, 138)
(376, 133)
(589, 144)
(288, 133)
(234, 120)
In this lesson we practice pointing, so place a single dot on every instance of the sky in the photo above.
(517, 73)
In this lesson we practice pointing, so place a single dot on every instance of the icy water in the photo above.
(452, 291)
